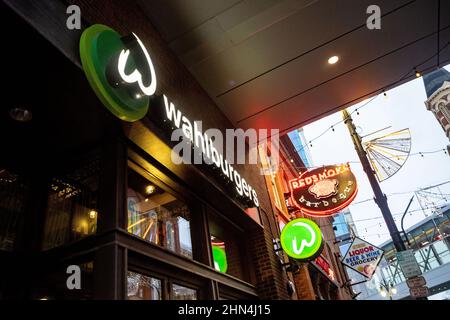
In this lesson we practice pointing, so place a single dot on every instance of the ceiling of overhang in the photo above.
(264, 62)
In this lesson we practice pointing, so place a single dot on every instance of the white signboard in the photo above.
(363, 257)
(408, 263)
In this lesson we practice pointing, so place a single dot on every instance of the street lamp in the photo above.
(388, 290)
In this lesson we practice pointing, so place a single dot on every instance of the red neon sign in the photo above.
(323, 264)
(324, 191)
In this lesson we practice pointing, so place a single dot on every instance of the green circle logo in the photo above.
(119, 70)
(301, 239)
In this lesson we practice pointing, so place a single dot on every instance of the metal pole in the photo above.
(403, 217)
(380, 198)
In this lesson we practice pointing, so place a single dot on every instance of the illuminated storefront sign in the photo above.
(205, 144)
(301, 239)
(324, 266)
(363, 257)
(324, 191)
(122, 74)
(112, 72)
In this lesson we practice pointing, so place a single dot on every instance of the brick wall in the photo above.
(270, 280)
(303, 284)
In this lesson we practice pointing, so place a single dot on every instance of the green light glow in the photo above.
(301, 239)
(220, 259)
(98, 46)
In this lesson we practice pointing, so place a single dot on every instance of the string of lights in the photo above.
(332, 129)
(414, 70)
(419, 153)
(400, 193)
(380, 224)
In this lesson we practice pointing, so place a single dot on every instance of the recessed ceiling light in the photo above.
(333, 59)
(21, 114)
(150, 189)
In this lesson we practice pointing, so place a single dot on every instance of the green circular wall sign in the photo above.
(103, 52)
(301, 239)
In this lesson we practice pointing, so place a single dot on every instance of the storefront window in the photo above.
(72, 206)
(142, 287)
(183, 293)
(228, 247)
(13, 193)
(157, 216)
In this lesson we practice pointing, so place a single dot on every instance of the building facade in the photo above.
(80, 187)
(298, 139)
(437, 87)
(323, 278)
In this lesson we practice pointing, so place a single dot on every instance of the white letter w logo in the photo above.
(136, 75)
(303, 243)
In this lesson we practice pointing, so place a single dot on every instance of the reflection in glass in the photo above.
(72, 205)
(442, 251)
(142, 287)
(219, 255)
(13, 193)
(183, 293)
(157, 216)
(228, 247)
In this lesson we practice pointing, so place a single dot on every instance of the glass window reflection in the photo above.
(183, 293)
(157, 216)
(141, 287)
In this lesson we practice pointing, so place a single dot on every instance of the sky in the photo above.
(402, 108)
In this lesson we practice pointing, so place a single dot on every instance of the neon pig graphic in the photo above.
(303, 243)
(324, 188)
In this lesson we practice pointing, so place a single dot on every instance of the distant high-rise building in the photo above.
(437, 87)
(344, 226)
(301, 146)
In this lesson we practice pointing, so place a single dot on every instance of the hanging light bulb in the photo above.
(418, 74)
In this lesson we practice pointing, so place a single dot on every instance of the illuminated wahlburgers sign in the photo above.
(324, 191)
(121, 73)
(301, 239)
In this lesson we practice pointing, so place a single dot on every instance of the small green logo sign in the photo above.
(120, 71)
(301, 239)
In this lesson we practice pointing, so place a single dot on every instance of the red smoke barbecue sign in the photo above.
(324, 191)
